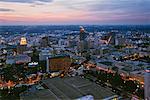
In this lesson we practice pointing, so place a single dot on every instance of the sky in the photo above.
(47, 12)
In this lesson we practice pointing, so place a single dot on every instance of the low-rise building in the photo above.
(58, 62)
(17, 59)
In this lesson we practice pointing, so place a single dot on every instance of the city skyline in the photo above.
(35, 12)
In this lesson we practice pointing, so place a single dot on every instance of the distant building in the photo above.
(10, 60)
(58, 62)
(23, 41)
(44, 54)
(2, 40)
(109, 38)
(83, 44)
(82, 34)
(22, 46)
(62, 43)
(18, 59)
(3, 54)
(112, 38)
(71, 42)
(120, 40)
(98, 51)
(91, 41)
(147, 84)
(44, 42)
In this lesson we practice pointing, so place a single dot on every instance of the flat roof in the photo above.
(69, 88)
(58, 56)
(38, 95)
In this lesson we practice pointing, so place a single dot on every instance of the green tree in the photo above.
(35, 55)
(116, 80)
(130, 86)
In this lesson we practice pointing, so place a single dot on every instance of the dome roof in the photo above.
(23, 41)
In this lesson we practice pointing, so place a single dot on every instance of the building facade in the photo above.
(58, 63)
(147, 84)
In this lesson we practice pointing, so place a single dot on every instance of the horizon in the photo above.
(77, 25)
(74, 12)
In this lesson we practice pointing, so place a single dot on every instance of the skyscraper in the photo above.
(82, 34)
(110, 38)
(147, 84)
(83, 42)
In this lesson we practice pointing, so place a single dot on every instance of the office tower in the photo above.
(71, 41)
(83, 48)
(147, 84)
(112, 38)
(90, 41)
(82, 34)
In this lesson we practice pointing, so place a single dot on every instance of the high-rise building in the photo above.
(82, 34)
(110, 38)
(83, 46)
(3, 54)
(147, 84)
(90, 41)
(22, 46)
(71, 41)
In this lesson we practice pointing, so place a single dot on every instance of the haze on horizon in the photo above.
(35, 12)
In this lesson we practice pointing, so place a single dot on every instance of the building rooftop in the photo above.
(23, 41)
(59, 56)
(68, 88)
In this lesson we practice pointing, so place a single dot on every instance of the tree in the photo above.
(115, 68)
(116, 80)
(102, 76)
(9, 73)
(130, 86)
(140, 93)
(35, 55)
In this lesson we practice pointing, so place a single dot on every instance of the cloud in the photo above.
(96, 11)
(26, 1)
(109, 5)
(6, 10)
(133, 9)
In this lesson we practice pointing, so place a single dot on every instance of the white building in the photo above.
(45, 53)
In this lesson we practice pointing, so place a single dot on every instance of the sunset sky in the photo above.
(28, 12)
